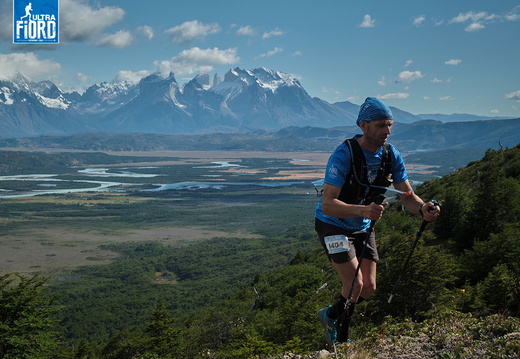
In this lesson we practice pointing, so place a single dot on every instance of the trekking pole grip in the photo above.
(431, 208)
(379, 200)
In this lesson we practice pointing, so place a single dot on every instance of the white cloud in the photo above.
(273, 52)
(409, 76)
(119, 40)
(367, 22)
(191, 30)
(446, 98)
(513, 95)
(473, 17)
(408, 63)
(79, 22)
(494, 112)
(478, 20)
(131, 76)
(394, 96)
(275, 32)
(453, 62)
(382, 82)
(246, 31)
(27, 64)
(476, 26)
(145, 31)
(438, 81)
(196, 60)
(513, 15)
(418, 21)
(297, 53)
(81, 77)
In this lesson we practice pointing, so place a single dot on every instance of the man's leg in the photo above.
(364, 286)
(346, 272)
(369, 269)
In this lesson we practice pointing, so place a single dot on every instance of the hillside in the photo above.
(447, 305)
(459, 299)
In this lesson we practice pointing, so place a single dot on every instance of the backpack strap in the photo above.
(356, 189)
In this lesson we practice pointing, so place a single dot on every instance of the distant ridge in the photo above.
(426, 135)
(456, 117)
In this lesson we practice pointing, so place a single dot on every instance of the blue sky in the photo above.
(445, 56)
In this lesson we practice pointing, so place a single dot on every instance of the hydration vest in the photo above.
(356, 189)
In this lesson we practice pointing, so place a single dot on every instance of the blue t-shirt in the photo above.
(338, 168)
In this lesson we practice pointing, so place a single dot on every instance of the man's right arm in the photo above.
(333, 207)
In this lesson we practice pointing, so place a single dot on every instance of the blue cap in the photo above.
(374, 110)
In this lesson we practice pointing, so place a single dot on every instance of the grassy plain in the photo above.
(57, 232)
(51, 245)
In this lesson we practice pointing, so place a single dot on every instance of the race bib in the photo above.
(337, 243)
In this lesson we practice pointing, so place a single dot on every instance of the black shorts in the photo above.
(338, 250)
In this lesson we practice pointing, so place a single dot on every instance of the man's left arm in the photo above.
(414, 204)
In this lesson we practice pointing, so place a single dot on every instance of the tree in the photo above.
(164, 337)
(498, 293)
(26, 317)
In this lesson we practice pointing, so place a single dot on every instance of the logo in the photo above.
(35, 22)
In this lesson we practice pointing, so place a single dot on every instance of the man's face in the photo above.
(377, 132)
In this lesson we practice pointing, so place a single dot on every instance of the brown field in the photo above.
(55, 247)
(320, 157)
(185, 157)
(52, 250)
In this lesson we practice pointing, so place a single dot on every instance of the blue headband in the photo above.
(374, 110)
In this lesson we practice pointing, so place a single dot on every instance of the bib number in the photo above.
(337, 243)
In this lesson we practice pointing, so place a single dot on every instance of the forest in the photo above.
(257, 297)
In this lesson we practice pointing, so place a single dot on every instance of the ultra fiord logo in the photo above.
(35, 21)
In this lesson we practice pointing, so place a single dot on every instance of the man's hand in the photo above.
(374, 211)
(430, 211)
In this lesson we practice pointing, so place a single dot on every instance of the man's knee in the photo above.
(368, 288)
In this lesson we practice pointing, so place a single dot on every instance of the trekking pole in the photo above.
(379, 200)
(417, 237)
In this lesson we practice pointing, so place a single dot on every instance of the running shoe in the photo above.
(330, 326)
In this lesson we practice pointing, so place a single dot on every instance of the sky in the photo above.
(424, 57)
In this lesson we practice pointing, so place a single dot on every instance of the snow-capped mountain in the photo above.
(158, 107)
(267, 99)
(30, 109)
(245, 100)
(105, 97)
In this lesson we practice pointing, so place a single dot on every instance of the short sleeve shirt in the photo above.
(338, 167)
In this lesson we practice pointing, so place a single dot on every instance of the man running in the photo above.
(354, 172)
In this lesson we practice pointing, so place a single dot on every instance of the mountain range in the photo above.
(244, 101)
